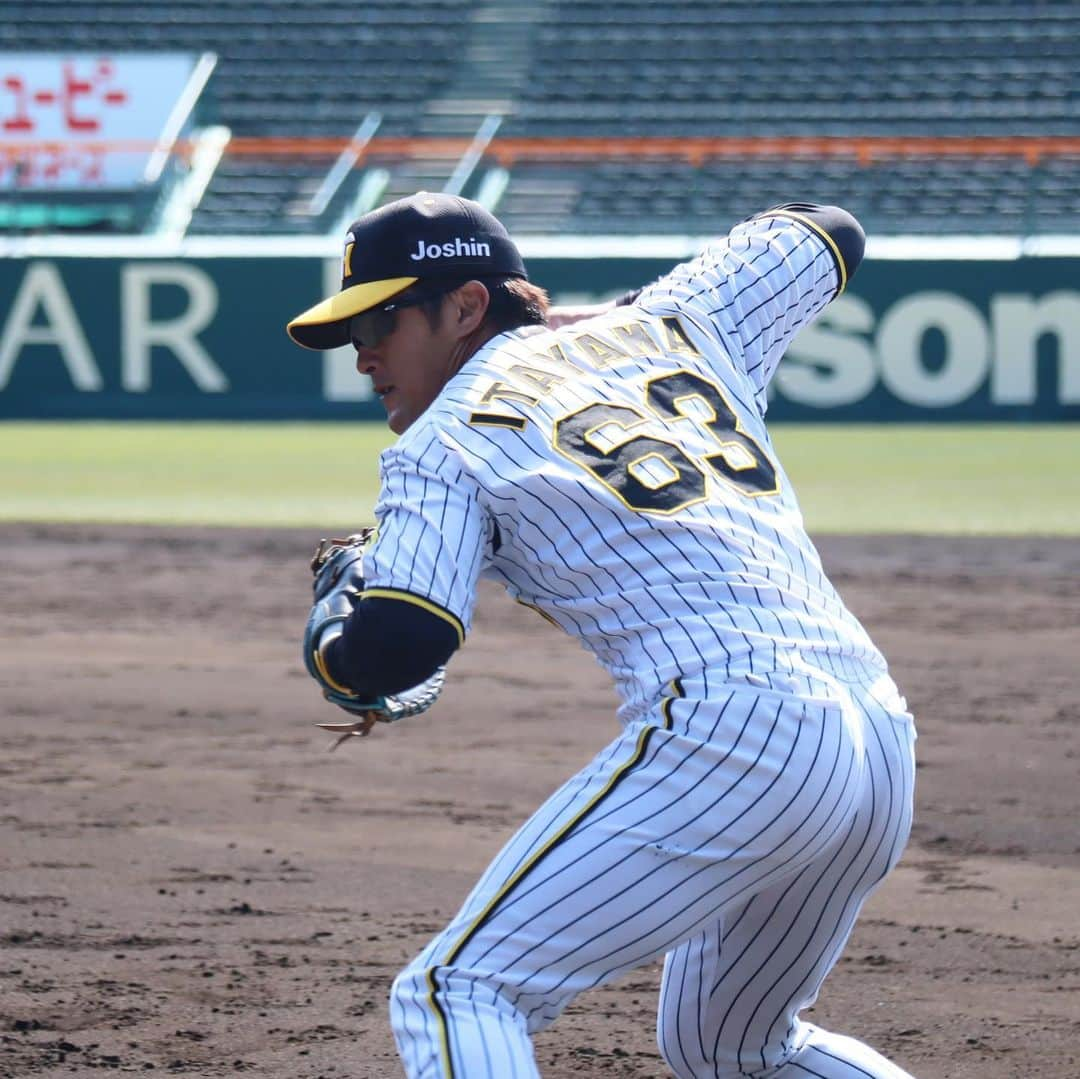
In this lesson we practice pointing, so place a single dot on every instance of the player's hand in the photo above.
(338, 564)
(337, 568)
(338, 584)
(568, 315)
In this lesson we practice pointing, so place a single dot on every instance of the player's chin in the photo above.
(398, 417)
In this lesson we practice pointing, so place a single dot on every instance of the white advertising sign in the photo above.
(84, 121)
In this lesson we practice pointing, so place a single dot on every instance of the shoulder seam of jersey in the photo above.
(830, 243)
(418, 601)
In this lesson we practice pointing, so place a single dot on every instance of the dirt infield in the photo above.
(192, 884)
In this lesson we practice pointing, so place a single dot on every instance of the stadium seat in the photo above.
(784, 68)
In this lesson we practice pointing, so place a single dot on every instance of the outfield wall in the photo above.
(151, 337)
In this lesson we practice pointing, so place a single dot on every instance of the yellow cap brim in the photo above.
(326, 325)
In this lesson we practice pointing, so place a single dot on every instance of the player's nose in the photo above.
(367, 360)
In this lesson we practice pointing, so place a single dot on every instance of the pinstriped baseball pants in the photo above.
(737, 834)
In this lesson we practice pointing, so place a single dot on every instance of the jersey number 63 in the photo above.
(654, 475)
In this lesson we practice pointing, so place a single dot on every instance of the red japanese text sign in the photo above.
(84, 120)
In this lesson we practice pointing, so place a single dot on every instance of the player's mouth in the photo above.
(382, 391)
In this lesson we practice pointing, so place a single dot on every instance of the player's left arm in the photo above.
(385, 645)
(413, 595)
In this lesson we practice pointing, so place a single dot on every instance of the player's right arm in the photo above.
(839, 229)
(769, 277)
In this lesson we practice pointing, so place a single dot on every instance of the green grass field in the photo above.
(1006, 480)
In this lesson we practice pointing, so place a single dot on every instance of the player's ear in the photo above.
(470, 304)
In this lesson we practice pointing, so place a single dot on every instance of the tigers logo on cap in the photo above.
(391, 248)
(346, 258)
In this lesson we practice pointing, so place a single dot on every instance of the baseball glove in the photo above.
(338, 567)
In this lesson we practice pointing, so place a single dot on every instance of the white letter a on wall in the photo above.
(43, 287)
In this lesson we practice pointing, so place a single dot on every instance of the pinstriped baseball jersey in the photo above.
(617, 476)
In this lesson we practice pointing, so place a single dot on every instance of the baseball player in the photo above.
(616, 474)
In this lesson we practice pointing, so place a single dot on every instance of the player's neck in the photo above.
(467, 347)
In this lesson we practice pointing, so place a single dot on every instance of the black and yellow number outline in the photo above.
(728, 473)
(654, 498)
(758, 479)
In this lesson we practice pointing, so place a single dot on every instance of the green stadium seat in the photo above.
(782, 68)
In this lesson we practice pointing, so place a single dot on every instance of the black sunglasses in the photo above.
(369, 327)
